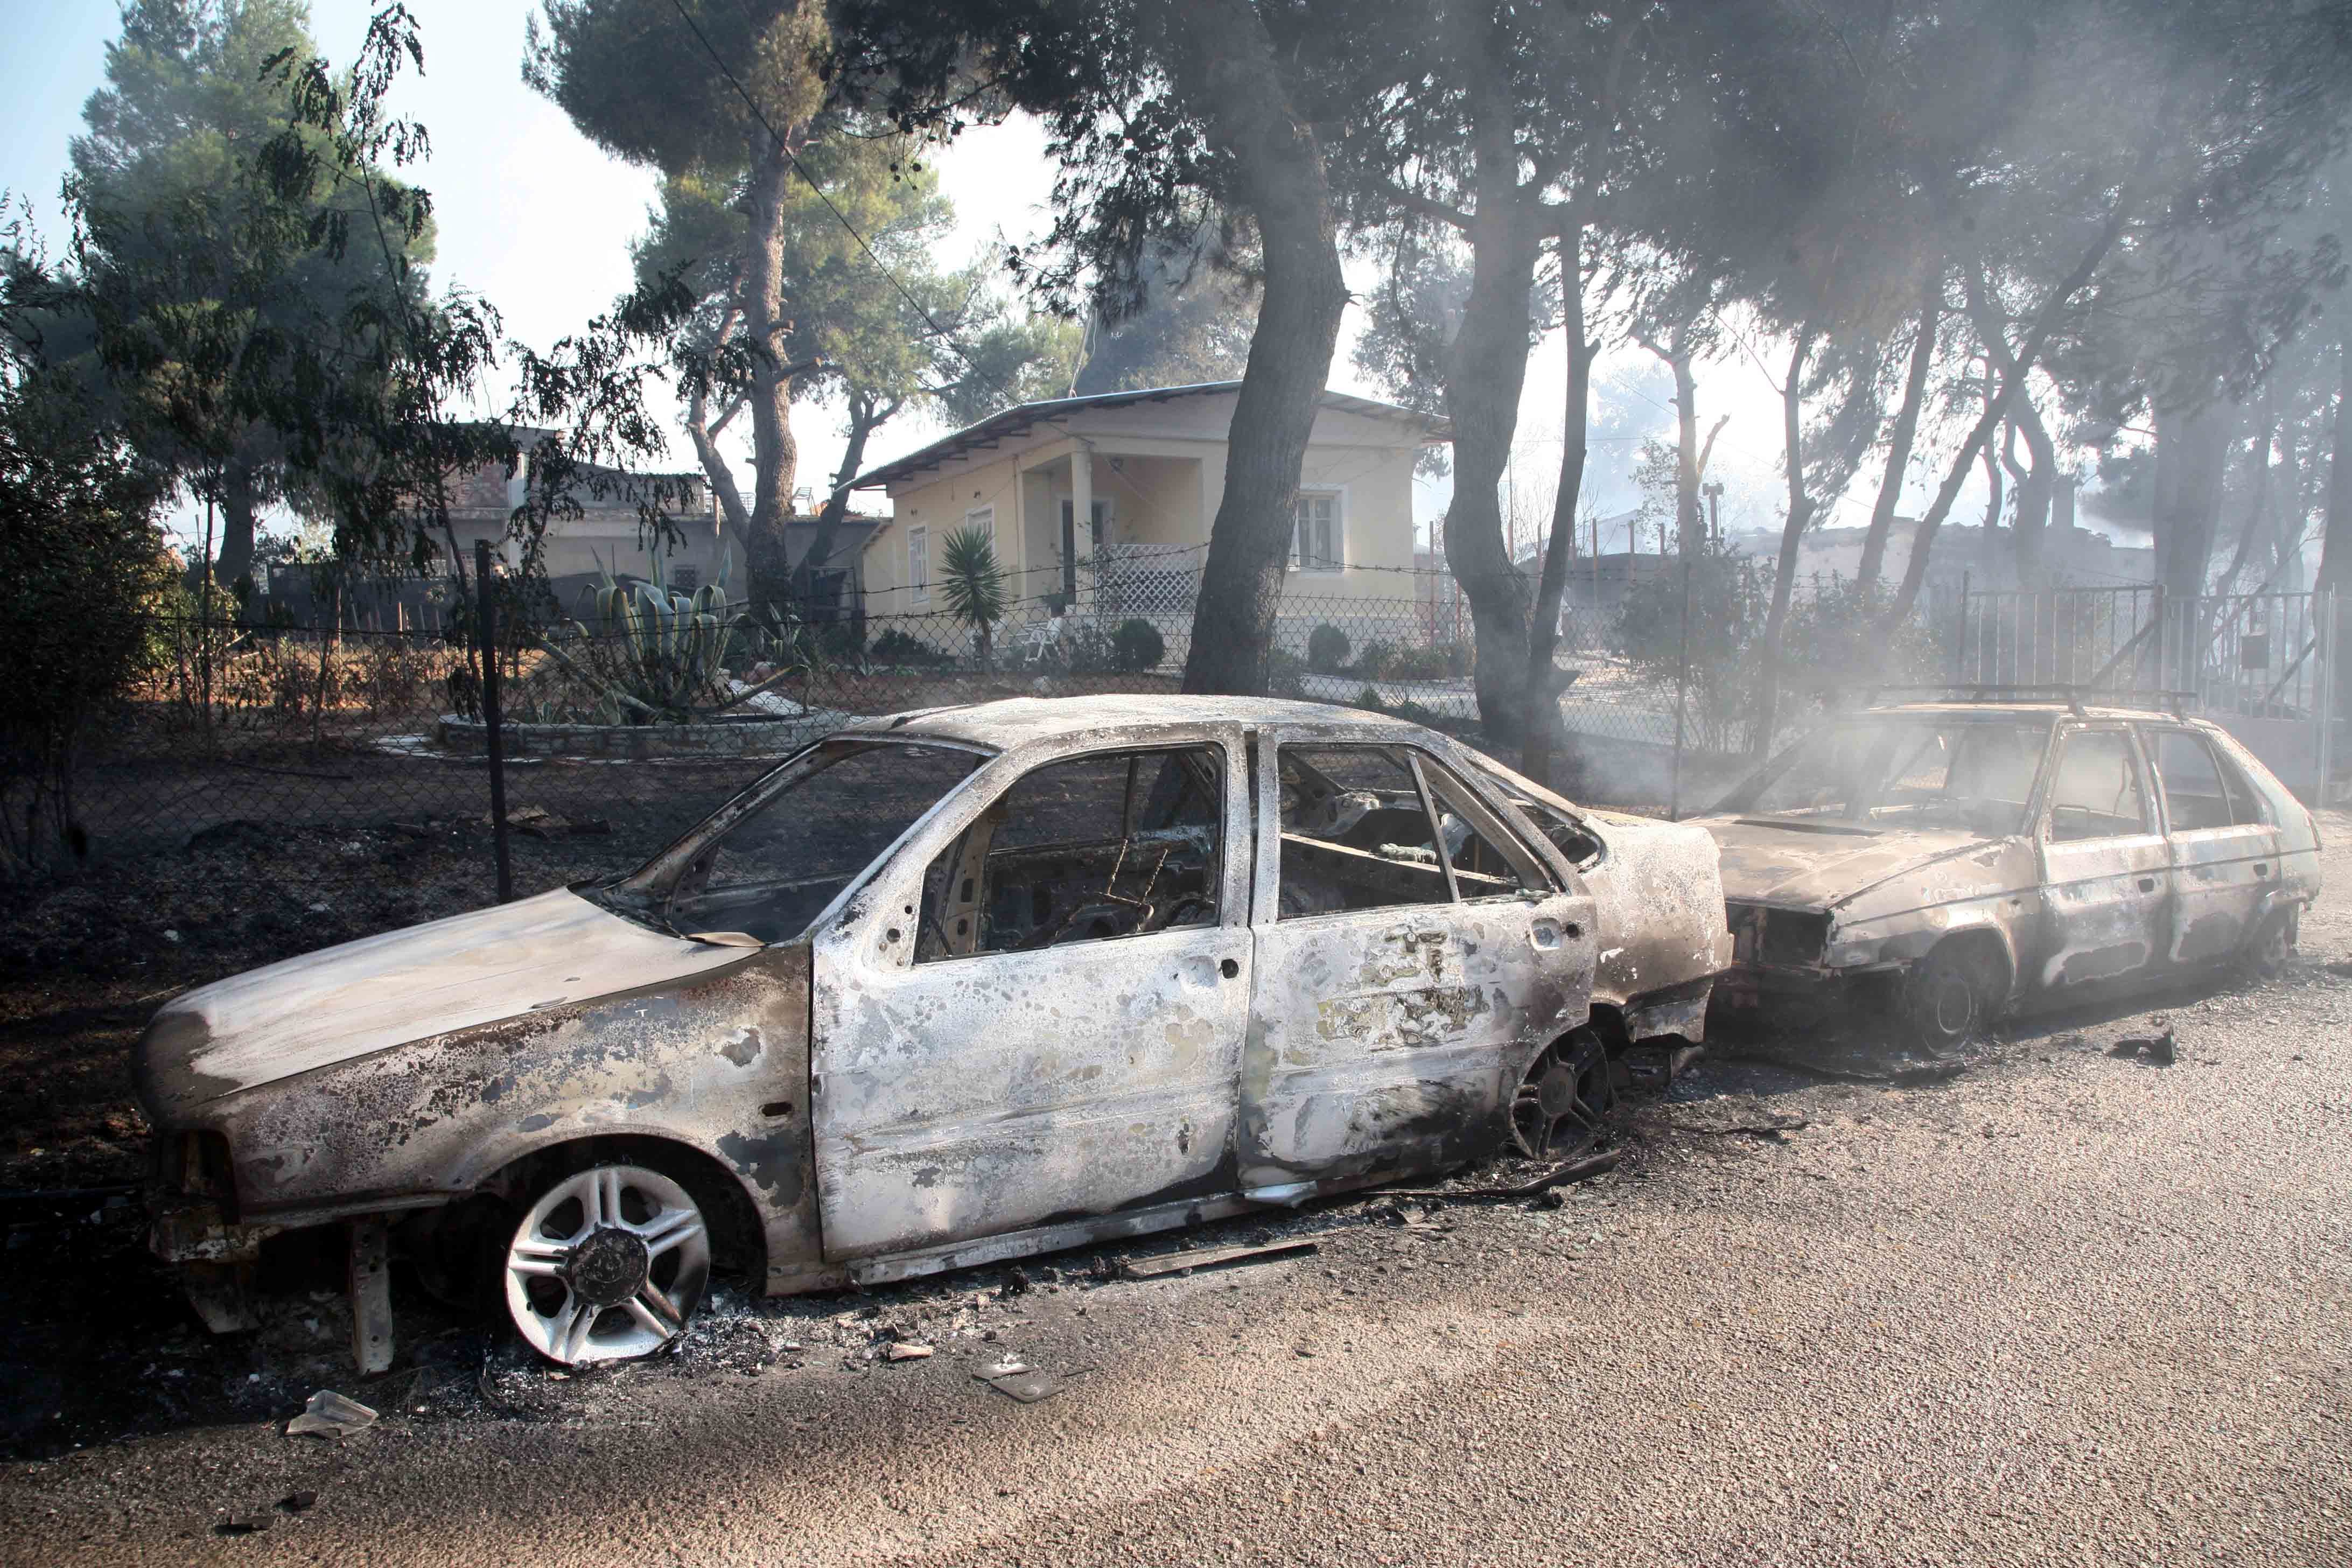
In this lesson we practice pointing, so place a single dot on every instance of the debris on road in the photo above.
(1215, 1257)
(899, 1350)
(1771, 1131)
(1029, 1387)
(297, 1502)
(1574, 1170)
(330, 1415)
(1023, 1383)
(2161, 1050)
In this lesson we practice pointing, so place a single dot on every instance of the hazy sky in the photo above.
(538, 221)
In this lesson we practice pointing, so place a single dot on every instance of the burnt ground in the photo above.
(1837, 1304)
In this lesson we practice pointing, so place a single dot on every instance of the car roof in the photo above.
(1015, 721)
(2027, 708)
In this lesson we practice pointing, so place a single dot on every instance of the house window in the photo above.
(918, 564)
(982, 518)
(1319, 539)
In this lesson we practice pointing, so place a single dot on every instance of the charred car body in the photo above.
(1951, 859)
(946, 988)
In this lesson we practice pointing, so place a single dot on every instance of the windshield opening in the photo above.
(1959, 774)
(767, 864)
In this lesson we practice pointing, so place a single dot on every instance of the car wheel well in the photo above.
(739, 1242)
(1987, 952)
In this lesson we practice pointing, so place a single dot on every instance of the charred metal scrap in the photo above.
(946, 989)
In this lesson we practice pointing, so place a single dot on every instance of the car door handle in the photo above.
(2147, 884)
(1231, 969)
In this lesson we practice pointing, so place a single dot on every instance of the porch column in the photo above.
(1082, 512)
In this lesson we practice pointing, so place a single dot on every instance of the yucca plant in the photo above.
(973, 585)
(654, 651)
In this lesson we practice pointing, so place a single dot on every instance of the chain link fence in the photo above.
(276, 787)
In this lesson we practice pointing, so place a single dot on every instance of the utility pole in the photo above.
(1713, 491)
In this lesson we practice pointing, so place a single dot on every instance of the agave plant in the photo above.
(973, 585)
(651, 652)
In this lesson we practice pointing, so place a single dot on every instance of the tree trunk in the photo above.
(716, 470)
(1678, 356)
(775, 456)
(1227, 62)
(1792, 533)
(1900, 440)
(240, 502)
(864, 420)
(2036, 483)
(2018, 366)
(2335, 539)
(1486, 368)
(2192, 450)
(1540, 700)
(2258, 506)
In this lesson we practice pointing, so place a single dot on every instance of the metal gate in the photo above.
(2263, 665)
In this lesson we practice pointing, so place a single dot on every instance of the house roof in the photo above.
(1019, 420)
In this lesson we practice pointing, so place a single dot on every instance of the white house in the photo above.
(1148, 470)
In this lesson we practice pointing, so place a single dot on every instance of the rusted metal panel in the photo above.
(698, 1063)
(2108, 903)
(1394, 1038)
(2220, 879)
(978, 1095)
(1657, 893)
(444, 977)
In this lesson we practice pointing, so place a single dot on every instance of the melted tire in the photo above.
(1946, 1001)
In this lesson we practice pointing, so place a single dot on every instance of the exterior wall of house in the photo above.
(930, 512)
(1162, 466)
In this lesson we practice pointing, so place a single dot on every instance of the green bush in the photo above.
(1377, 660)
(1370, 697)
(1136, 646)
(1327, 649)
(86, 573)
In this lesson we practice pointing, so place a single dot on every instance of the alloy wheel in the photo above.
(607, 1263)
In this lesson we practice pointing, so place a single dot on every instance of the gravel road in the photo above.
(2064, 1308)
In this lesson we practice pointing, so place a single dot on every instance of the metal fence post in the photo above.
(1681, 696)
(2324, 605)
(1960, 643)
(487, 603)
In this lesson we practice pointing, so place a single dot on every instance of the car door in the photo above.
(1041, 1017)
(2105, 869)
(1413, 958)
(2223, 854)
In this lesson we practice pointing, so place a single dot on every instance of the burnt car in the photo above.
(946, 988)
(1949, 859)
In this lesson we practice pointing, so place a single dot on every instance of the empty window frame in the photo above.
(1356, 832)
(1488, 862)
(1092, 848)
(2097, 791)
(2194, 795)
(841, 804)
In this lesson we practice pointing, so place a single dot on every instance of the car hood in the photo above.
(365, 996)
(1797, 867)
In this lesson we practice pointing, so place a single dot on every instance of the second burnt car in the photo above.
(946, 988)
(1948, 859)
